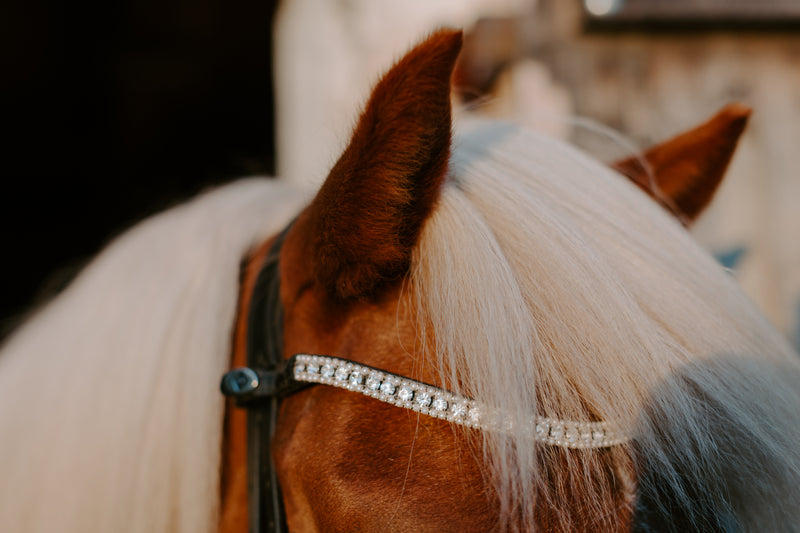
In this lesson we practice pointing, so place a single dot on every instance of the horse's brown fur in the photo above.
(687, 169)
(350, 463)
(369, 212)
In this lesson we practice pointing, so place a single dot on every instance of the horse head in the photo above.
(353, 268)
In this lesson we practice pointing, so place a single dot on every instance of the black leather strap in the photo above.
(259, 388)
(265, 351)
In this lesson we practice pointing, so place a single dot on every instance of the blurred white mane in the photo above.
(110, 419)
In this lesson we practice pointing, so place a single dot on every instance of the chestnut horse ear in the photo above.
(687, 169)
(367, 216)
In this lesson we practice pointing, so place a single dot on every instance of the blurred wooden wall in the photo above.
(114, 111)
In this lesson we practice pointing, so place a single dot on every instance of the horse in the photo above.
(595, 369)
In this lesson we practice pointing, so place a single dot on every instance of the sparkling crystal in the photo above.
(342, 373)
(373, 383)
(327, 371)
(572, 434)
(387, 388)
(356, 379)
(557, 431)
(423, 399)
(313, 368)
(475, 415)
(299, 367)
(440, 404)
(405, 394)
(542, 429)
(598, 434)
(458, 410)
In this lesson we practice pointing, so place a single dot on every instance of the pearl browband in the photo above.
(439, 403)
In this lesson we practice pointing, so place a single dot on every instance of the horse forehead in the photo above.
(380, 332)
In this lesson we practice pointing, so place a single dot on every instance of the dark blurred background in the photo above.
(113, 111)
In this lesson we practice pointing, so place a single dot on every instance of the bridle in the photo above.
(268, 378)
(259, 388)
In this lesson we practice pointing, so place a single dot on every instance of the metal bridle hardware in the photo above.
(253, 387)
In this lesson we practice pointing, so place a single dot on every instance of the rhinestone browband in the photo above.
(439, 403)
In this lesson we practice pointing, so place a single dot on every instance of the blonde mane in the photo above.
(555, 287)
(109, 415)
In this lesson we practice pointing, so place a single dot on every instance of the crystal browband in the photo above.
(439, 403)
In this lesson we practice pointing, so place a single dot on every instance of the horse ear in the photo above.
(367, 216)
(687, 169)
